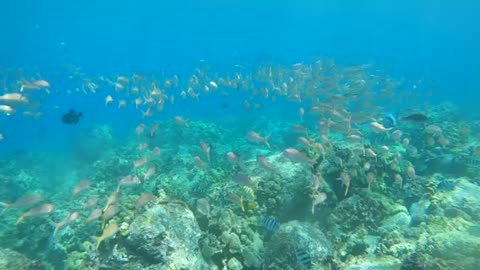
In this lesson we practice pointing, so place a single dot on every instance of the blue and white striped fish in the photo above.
(270, 223)
(303, 257)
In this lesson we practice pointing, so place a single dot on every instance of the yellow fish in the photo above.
(110, 231)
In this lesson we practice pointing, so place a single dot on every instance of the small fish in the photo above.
(142, 146)
(155, 152)
(35, 85)
(111, 211)
(149, 173)
(433, 130)
(415, 117)
(411, 172)
(8, 110)
(319, 197)
(143, 200)
(181, 121)
(70, 218)
(24, 202)
(113, 198)
(233, 158)
(243, 179)
(236, 199)
(303, 258)
(345, 178)
(91, 202)
(248, 192)
(108, 100)
(255, 138)
(270, 223)
(379, 128)
(108, 232)
(446, 185)
(140, 129)
(203, 207)
(263, 162)
(199, 163)
(43, 209)
(206, 149)
(153, 130)
(96, 214)
(140, 162)
(13, 98)
(81, 186)
(127, 181)
(297, 157)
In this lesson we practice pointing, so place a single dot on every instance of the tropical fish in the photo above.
(24, 202)
(140, 129)
(113, 198)
(255, 138)
(91, 202)
(35, 85)
(80, 187)
(379, 128)
(318, 197)
(446, 185)
(303, 258)
(109, 213)
(199, 163)
(270, 223)
(415, 117)
(7, 110)
(298, 157)
(127, 181)
(140, 162)
(181, 121)
(149, 173)
(345, 178)
(13, 98)
(155, 152)
(243, 179)
(263, 162)
(143, 200)
(108, 232)
(206, 149)
(43, 209)
(108, 100)
(70, 218)
(203, 207)
(97, 213)
(236, 199)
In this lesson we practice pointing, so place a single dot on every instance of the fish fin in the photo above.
(266, 141)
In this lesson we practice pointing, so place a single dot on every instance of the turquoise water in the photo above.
(239, 135)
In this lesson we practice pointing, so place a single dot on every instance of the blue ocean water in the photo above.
(430, 44)
(432, 40)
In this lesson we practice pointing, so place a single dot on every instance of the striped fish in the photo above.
(303, 258)
(270, 224)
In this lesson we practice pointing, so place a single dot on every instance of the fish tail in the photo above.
(55, 231)
(241, 204)
(99, 241)
(22, 88)
(5, 207)
(20, 219)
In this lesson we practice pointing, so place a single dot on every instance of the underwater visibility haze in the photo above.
(239, 135)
